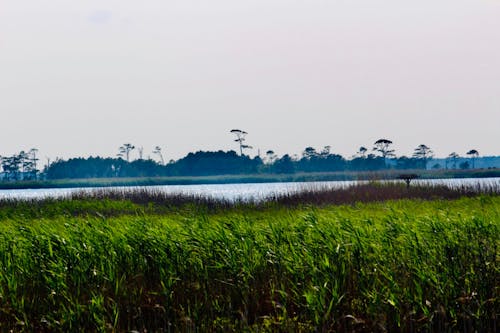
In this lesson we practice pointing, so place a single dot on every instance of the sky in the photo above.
(81, 78)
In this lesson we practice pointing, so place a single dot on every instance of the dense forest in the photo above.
(24, 166)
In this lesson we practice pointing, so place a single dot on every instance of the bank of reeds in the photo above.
(383, 191)
(297, 265)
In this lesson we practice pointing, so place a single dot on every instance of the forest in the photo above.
(26, 165)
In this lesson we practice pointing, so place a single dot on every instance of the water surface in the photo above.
(246, 191)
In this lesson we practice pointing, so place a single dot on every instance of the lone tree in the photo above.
(454, 157)
(362, 151)
(383, 146)
(309, 153)
(408, 177)
(473, 154)
(271, 156)
(423, 153)
(240, 138)
(325, 152)
(157, 151)
(34, 159)
(125, 151)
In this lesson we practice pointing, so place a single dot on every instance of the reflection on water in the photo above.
(256, 191)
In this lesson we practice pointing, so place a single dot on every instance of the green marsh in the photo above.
(116, 265)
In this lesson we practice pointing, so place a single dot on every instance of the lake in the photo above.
(256, 191)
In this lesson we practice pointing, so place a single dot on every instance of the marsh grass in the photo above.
(120, 261)
(383, 191)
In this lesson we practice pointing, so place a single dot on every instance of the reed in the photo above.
(120, 261)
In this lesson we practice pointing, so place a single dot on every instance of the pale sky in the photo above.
(80, 78)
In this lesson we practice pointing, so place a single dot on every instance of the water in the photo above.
(256, 191)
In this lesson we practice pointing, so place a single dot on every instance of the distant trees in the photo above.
(383, 146)
(11, 167)
(325, 152)
(284, 164)
(453, 157)
(240, 138)
(21, 166)
(33, 168)
(270, 156)
(473, 154)
(29, 163)
(362, 161)
(404, 162)
(194, 164)
(97, 167)
(204, 163)
(423, 154)
(124, 151)
(362, 151)
(464, 165)
(309, 153)
(312, 161)
(366, 163)
(157, 151)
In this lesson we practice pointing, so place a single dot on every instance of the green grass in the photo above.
(115, 265)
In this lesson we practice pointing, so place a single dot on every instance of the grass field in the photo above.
(114, 262)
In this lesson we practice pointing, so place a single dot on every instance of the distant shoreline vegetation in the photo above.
(205, 167)
(238, 179)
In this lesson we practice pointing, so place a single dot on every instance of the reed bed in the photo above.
(383, 191)
(143, 261)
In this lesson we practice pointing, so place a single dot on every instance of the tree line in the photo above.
(20, 166)
(24, 166)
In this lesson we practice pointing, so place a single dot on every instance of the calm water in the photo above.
(257, 191)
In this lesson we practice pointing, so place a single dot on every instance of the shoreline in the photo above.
(241, 179)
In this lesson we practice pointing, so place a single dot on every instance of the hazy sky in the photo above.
(80, 78)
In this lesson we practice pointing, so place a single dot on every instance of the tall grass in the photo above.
(120, 262)
(383, 191)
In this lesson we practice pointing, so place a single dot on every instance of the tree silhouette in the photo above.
(473, 154)
(34, 159)
(11, 166)
(157, 151)
(124, 151)
(271, 156)
(240, 138)
(362, 151)
(325, 152)
(284, 165)
(20, 166)
(309, 153)
(454, 157)
(423, 153)
(383, 147)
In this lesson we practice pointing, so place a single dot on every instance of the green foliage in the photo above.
(104, 265)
